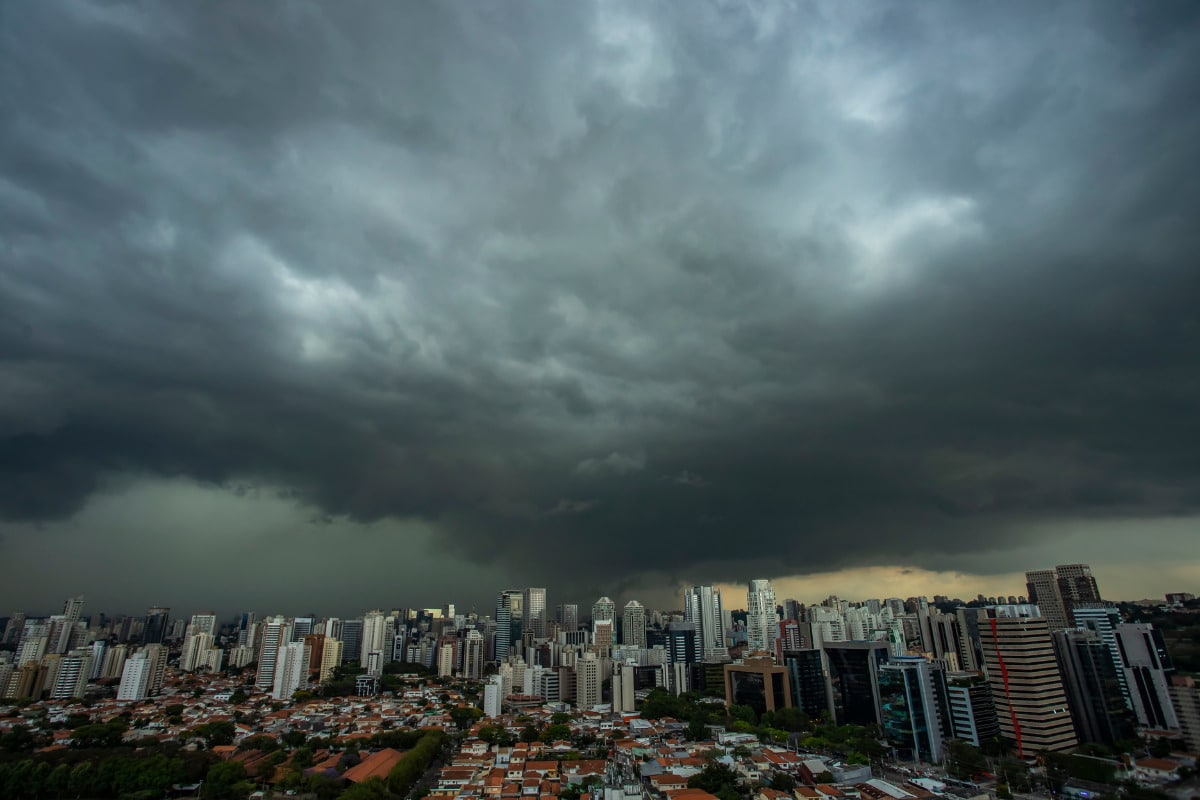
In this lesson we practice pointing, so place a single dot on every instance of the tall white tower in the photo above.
(702, 608)
(762, 626)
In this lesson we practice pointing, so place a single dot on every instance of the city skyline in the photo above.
(328, 306)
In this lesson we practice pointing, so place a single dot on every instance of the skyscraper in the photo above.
(1060, 591)
(633, 624)
(972, 711)
(567, 616)
(374, 633)
(1148, 671)
(1043, 591)
(603, 610)
(535, 612)
(508, 621)
(1026, 682)
(761, 616)
(473, 655)
(154, 631)
(702, 608)
(276, 634)
(914, 708)
(589, 675)
(1097, 700)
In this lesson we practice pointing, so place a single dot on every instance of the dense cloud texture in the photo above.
(699, 287)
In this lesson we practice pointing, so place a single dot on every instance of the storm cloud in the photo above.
(594, 291)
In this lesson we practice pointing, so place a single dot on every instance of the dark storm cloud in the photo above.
(625, 285)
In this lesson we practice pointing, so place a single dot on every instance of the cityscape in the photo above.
(1056, 692)
(599, 400)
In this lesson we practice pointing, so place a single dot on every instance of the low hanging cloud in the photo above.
(909, 277)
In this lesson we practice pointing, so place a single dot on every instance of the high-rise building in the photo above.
(567, 616)
(604, 610)
(623, 687)
(196, 655)
(758, 682)
(1148, 671)
(291, 670)
(473, 655)
(69, 633)
(1097, 701)
(535, 613)
(331, 657)
(761, 617)
(374, 634)
(806, 673)
(1043, 592)
(276, 634)
(1103, 620)
(72, 676)
(1076, 586)
(589, 676)
(12, 631)
(683, 643)
(633, 624)
(972, 711)
(702, 607)
(1185, 697)
(352, 636)
(1058, 592)
(914, 707)
(1026, 683)
(135, 677)
(493, 698)
(158, 620)
(114, 661)
(508, 622)
(854, 680)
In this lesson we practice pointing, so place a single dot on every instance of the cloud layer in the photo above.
(693, 289)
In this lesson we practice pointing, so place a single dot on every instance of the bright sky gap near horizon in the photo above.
(418, 301)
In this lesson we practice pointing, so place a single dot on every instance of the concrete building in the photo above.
(291, 671)
(493, 697)
(972, 710)
(473, 655)
(1043, 590)
(275, 635)
(567, 616)
(1185, 697)
(1026, 682)
(589, 677)
(71, 679)
(135, 677)
(331, 658)
(1148, 671)
(762, 619)
(702, 607)
(374, 637)
(633, 624)
(623, 688)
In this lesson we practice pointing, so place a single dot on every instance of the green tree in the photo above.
(295, 738)
(81, 779)
(554, 732)
(743, 713)
(783, 782)
(716, 779)
(530, 733)
(226, 779)
(58, 780)
(215, 733)
(465, 716)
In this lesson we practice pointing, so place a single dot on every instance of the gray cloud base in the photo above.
(692, 289)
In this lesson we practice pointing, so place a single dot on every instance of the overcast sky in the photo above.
(326, 306)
